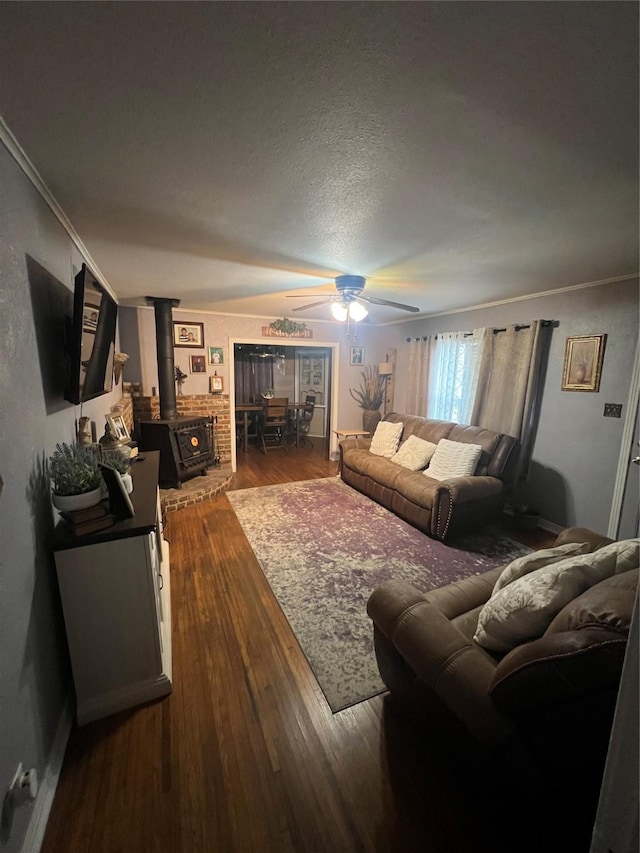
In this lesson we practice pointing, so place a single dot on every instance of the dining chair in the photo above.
(273, 424)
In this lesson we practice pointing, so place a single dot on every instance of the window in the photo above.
(454, 376)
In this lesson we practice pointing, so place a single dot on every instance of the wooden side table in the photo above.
(349, 433)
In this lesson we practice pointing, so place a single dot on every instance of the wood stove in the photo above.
(185, 444)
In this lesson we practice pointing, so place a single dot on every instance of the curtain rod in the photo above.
(543, 323)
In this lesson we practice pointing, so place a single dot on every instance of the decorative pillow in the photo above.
(453, 459)
(385, 439)
(525, 608)
(414, 453)
(537, 560)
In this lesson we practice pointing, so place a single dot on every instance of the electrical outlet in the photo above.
(612, 410)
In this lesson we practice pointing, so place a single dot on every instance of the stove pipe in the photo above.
(164, 349)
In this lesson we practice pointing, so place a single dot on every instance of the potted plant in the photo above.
(370, 396)
(75, 477)
(120, 459)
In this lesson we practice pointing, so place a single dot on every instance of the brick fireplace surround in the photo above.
(218, 478)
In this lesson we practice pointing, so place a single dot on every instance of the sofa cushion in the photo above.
(522, 566)
(453, 459)
(526, 607)
(415, 487)
(429, 429)
(608, 604)
(385, 439)
(414, 453)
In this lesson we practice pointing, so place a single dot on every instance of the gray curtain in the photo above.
(418, 378)
(510, 384)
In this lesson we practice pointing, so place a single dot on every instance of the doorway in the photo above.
(286, 370)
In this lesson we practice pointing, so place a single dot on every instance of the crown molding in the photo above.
(19, 155)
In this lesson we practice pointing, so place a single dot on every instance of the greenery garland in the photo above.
(287, 327)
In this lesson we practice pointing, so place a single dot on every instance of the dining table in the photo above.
(245, 409)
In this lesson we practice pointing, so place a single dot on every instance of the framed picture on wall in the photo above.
(216, 385)
(583, 357)
(216, 355)
(197, 364)
(188, 334)
(357, 355)
(118, 427)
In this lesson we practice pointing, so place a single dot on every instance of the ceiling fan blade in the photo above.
(375, 301)
(300, 295)
(313, 305)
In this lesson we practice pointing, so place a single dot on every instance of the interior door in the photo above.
(314, 367)
(630, 510)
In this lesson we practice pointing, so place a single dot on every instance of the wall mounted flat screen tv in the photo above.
(92, 341)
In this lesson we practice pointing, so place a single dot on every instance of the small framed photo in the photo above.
(216, 355)
(188, 334)
(119, 501)
(90, 314)
(583, 357)
(216, 385)
(357, 355)
(118, 427)
(197, 364)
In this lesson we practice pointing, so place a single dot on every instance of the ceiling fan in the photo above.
(349, 301)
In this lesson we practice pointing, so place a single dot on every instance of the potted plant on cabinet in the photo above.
(369, 396)
(75, 477)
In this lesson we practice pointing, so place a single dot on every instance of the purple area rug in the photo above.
(324, 548)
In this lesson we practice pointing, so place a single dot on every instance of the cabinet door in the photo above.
(109, 600)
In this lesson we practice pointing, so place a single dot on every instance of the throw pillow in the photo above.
(414, 453)
(385, 439)
(453, 459)
(537, 560)
(525, 608)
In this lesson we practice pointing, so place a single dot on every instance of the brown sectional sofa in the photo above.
(438, 508)
(546, 704)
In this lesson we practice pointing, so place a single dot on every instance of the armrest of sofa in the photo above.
(353, 444)
(456, 670)
(461, 494)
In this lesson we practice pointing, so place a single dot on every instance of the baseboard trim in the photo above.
(34, 835)
(542, 522)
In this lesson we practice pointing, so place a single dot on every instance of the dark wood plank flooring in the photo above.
(245, 755)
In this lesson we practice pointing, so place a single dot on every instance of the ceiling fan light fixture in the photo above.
(339, 311)
(357, 311)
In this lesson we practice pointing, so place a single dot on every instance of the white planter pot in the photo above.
(127, 479)
(65, 503)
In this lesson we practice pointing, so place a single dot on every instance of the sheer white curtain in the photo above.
(418, 378)
(454, 375)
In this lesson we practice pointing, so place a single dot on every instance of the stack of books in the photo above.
(81, 522)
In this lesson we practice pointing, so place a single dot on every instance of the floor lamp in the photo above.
(385, 370)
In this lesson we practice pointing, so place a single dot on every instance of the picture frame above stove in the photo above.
(188, 334)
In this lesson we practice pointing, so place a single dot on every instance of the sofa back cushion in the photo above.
(497, 449)
(608, 604)
(526, 607)
(429, 430)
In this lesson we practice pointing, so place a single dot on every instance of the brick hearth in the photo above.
(197, 489)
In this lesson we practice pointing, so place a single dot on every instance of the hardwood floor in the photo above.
(245, 754)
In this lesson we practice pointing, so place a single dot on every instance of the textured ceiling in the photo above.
(228, 154)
